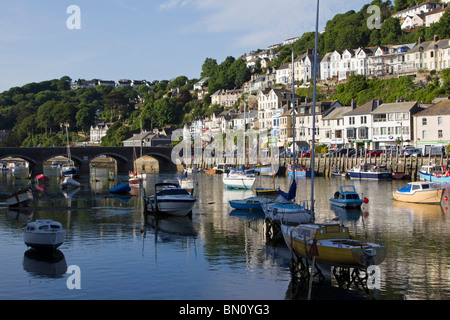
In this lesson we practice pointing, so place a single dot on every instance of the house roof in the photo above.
(394, 107)
(337, 113)
(366, 108)
(441, 108)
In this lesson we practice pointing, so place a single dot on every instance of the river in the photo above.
(218, 254)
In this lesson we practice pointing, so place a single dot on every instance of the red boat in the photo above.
(41, 178)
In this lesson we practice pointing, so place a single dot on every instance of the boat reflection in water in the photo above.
(44, 264)
(420, 211)
(178, 225)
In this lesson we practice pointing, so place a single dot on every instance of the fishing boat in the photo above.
(420, 192)
(250, 204)
(121, 188)
(170, 198)
(20, 198)
(333, 244)
(370, 171)
(68, 182)
(44, 234)
(347, 197)
(434, 173)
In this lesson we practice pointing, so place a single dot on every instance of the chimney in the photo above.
(419, 41)
(436, 38)
(353, 104)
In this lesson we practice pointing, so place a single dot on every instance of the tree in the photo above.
(208, 67)
(391, 31)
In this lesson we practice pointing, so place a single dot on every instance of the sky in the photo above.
(144, 39)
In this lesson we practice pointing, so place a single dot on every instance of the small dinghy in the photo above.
(44, 234)
(121, 188)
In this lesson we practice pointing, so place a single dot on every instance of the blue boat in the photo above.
(250, 204)
(347, 197)
(300, 172)
(434, 173)
(121, 188)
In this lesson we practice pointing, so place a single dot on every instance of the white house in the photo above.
(424, 7)
(98, 131)
(392, 123)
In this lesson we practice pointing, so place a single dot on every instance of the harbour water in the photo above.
(218, 254)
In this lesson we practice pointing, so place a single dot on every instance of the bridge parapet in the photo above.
(83, 156)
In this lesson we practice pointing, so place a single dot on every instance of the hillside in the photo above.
(38, 113)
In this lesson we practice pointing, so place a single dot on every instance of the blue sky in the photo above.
(144, 39)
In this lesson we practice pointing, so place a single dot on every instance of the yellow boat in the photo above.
(420, 192)
(332, 243)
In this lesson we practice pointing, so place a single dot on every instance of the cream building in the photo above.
(431, 125)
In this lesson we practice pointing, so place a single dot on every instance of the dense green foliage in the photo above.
(363, 90)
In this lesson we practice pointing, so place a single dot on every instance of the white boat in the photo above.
(238, 180)
(347, 197)
(68, 182)
(44, 234)
(420, 192)
(20, 198)
(170, 198)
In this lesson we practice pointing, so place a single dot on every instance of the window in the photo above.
(376, 131)
(424, 134)
(440, 134)
(363, 119)
(383, 130)
(439, 120)
(424, 121)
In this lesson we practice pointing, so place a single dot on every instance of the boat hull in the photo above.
(20, 198)
(250, 204)
(238, 182)
(433, 178)
(286, 213)
(348, 204)
(370, 175)
(428, 196)
(175, 207)
(338, 252)
(48, 240)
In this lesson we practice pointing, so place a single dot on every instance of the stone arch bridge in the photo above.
(82, 156)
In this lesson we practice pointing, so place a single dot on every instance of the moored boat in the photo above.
(170, 198)
(238, 180)
(41, 178)
(120, 188)
(20, 198)
(332, 244)
(420, 192)
(370, 171)
(347, 197)
(434, 173)
(68, 182)
(250, 204)
(44, 234)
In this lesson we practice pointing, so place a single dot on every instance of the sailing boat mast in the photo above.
(313, 145)
(293, 118)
